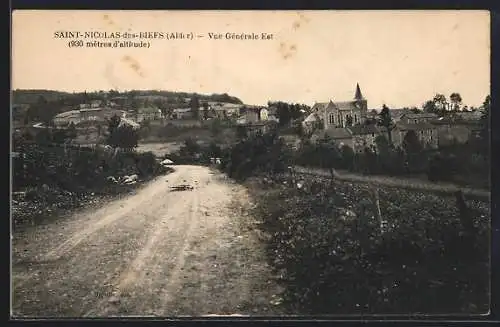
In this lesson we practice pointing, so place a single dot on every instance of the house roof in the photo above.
(179, 110)
(411, 115)
(398, 113)
(90, 109)
(415, 127)
(469, 115)
(364, 129)
(319, 106)
(227, 106)
(337, 133)
(67, 114)
(312, 118)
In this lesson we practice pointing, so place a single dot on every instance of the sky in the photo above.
(399, 58)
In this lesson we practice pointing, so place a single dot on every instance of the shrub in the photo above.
(332, 258)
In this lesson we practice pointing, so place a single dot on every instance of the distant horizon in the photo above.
(400, 58)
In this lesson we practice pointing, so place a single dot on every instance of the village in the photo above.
(349, 123)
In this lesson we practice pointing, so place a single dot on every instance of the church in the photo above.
(344, 113)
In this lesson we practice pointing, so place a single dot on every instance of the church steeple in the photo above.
(358, 95)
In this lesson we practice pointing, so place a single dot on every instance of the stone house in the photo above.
(364, 137)
(341, 136)
(148, 113)
(417, 118)
(426, 132)
(182, 113)
(256, 127)
(223, 110)
(67, 117)
(91, 113)
(357, 137)
(456, 131)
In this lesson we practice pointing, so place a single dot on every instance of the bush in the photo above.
(332, 258)
(257, 154)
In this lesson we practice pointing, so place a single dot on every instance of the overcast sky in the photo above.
(400, 58)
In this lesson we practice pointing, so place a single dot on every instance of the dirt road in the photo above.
(155, 253)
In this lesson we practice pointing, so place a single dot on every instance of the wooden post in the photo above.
(376, 202)
(465, 216)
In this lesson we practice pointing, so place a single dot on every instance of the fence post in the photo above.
(465, 216)
(376, 201)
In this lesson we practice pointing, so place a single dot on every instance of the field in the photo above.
(333, 257)
(159, 149)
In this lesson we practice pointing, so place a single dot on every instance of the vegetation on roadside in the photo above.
(337, 251)
(328, 250)
(49, 172)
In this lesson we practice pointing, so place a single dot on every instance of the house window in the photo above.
(355, 119)
(331, 119)
(415, 121)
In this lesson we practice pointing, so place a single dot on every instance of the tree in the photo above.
(205, 110)
(286, 112)
(411, 143)
(430, 107)
(72, 133)
(413, 149)
(329, 154)
(485, 124)
(194, 104)
(440, 102)
(216, 127)
(456, 101)
(113, 124)
(348, 121)
(126, 137)
(241, 132)
(385, 120)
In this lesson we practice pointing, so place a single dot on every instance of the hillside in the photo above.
(32, 96)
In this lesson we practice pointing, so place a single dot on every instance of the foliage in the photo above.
(194, 104)
(485, 126)
(456, 101)
(75, 168)
(241, 132)
(287, 112)
(261, 153)
(331, 257)
(385, 121)
(121, 135)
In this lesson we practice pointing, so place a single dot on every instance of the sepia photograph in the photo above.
(250, 163)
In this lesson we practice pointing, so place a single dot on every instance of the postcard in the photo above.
(250, 163)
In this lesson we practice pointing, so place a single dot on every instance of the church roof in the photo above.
(346, 105)
(358, 95)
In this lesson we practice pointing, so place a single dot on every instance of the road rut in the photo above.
(155, 253)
